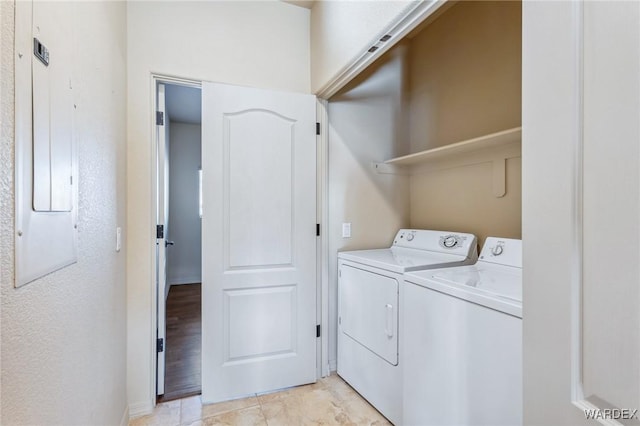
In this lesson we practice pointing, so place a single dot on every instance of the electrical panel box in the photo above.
(46, 163)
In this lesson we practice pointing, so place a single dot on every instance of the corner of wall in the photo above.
(139, 409)
(7, 121)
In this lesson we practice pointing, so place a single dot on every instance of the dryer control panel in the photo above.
(440, 241)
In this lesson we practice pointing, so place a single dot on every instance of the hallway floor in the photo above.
(330, 401)
(184, 342)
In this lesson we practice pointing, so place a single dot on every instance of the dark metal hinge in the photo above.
(159, 118)
(317, 229)
(159, 231)
(160, 345)
(318, 330)
(317, 128)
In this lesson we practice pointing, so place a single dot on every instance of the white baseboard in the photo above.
(139, 409)
(333, 365)
(186, 280)
(124, 421)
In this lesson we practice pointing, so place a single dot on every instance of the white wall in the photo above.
(343, 30)
(260, 44)
(63, 336)
(367, 123)
(184, 259)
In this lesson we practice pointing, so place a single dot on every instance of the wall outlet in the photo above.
(346, 230)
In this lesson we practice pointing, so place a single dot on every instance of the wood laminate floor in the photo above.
(183, 346)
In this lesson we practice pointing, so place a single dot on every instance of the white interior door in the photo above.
(258, 241)
(162, 218)
(581, 276)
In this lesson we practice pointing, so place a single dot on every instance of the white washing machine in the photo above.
(462, 351)
(369, 291)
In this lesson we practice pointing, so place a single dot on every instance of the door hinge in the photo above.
(318, 330)
(317, 128)
(317, 229)
(160, 345)
(159, 231)
(159, 118)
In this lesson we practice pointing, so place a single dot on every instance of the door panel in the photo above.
(263, 321)
(259, 208)
(610, 320)
(581, 63)
(258, 239)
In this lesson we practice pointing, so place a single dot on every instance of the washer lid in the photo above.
(498, 287)
(400, 259)
(499, 281)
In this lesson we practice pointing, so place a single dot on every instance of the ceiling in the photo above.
(184, 104)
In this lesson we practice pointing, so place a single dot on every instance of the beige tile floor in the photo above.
(330, 401)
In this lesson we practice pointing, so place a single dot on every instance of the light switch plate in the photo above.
(118, 238)
(346, 230)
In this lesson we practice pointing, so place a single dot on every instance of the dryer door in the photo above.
(368, 311)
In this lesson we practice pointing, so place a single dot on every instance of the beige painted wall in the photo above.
(461, 199)
(63, 336)
(466, 74)
(465, 78)
(367, 124)
(253, 43)
(343, 30)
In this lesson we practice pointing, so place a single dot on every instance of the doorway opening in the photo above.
(268, 321)
(179, 243)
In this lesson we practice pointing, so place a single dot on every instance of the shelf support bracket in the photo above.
(389, 169)
(499, 177)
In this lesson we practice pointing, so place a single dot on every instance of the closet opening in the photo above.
(430, 133)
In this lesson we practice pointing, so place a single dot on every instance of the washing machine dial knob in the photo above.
(450, 241)
(410, 237)
(497, 250)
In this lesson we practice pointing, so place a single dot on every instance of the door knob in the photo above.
(168, 243)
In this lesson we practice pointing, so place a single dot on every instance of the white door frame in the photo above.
(161, 248)
(322, 308)
(155, 80)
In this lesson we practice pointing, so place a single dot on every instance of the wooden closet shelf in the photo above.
(493, 140)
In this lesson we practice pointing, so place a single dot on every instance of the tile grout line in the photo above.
(262, 411)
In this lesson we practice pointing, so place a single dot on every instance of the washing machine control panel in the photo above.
(440, 241)
(503, 251)
(450, 241)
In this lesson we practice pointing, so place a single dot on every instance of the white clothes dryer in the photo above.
(370, 286)
(462, 350)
